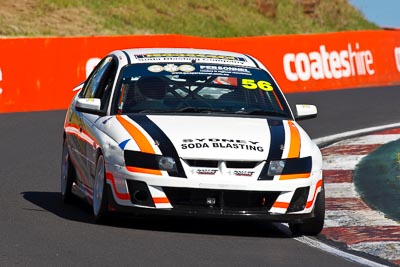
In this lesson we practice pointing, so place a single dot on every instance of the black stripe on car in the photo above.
(255, 63)
(164, 143)
(297, 165)
(277, 131)
(127, 56)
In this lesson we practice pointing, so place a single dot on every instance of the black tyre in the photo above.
(314, 225)
(67, 175)
(100, 202)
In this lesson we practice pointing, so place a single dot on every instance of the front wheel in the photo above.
(100, 192)
(314, 225)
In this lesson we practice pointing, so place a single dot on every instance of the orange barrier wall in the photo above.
(39, 73)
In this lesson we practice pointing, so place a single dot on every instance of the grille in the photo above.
(229, 164)
(202, 163)
(234, 200)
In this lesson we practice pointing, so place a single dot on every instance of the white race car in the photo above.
(191, 132)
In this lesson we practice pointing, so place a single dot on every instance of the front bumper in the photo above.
(284, 201)
(206, 212)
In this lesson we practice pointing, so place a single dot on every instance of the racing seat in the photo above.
(152, 88)
(146, 93)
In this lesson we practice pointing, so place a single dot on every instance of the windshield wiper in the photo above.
(182, 110)
(262, 112)
(151, 111)
(198, 110)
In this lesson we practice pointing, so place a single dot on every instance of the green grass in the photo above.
(209, 18)
(377, 179)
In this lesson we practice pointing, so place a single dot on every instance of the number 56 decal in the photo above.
(252, 84)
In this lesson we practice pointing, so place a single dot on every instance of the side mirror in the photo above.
(88, 105)
(304, 112)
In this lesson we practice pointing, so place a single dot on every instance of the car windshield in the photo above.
(198, 88)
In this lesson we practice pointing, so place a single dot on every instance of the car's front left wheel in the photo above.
(314, 225)
(100, 202)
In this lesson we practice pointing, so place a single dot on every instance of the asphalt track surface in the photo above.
(37, 229)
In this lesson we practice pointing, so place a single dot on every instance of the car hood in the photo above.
(210, 137)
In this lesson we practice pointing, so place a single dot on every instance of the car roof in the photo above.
(165, 55)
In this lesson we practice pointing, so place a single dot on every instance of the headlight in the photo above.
(166, 163)
(289, 166)
(149, 161)
(276, 167)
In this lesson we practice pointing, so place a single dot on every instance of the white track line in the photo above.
(334, 251)
(322, 246)
(337, 137)
(311, 242)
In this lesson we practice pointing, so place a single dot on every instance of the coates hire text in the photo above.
(325, 64)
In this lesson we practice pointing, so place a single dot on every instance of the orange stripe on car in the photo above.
(122, 196)
(160, 200)
(310, 203)
(294, 176)
(143, 143)
(137, 135)
(281, 205)
(143, 170)
(294, 150)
